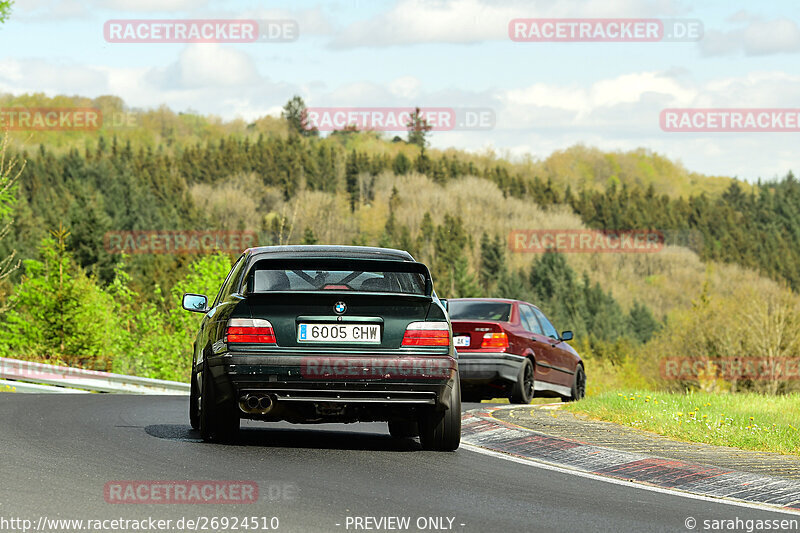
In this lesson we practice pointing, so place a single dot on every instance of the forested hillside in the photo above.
(73, 300)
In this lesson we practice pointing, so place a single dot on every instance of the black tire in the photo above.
(194, 407)
(578, 386)
(219, 423)
(403, 429)
(522, 391)
(441, 430)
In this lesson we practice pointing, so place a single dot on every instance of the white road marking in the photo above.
(547, 466)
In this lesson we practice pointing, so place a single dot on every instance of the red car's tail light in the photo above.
(249, 331)
(495, 340)
(427, 334)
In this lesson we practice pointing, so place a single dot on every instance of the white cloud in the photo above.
(755, 89)
(407, 87)
(572, 104)
(207, 65)
(38, 10)
(615, 112)
(310, 21)
(623, 113)
(38, 75)
(34, 11)
(211, 79)
(743, 16)
(772, 37)
(474, 21)
(150, 5)
(759, 37)
(416, 21)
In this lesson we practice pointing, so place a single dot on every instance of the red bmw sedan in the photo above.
(508, 348)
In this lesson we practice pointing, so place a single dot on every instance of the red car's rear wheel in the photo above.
(522, 392)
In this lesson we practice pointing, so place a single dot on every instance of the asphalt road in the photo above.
(58, 452)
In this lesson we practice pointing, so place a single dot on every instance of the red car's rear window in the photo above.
(465, 310)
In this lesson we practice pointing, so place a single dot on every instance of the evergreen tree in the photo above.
(643, 325)
(57, 312)
(401, 165)
(464, 284)
(309, 237)
(601, 315)
(294, 112)
(450, 246)
(351, 179)
(422, 163)
(492, 265)
(418, 129)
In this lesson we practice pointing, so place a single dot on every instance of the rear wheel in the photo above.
(216, 422)
(578, 385)
(522, 392)
(441, 430)
(403, 429)
(194, 403)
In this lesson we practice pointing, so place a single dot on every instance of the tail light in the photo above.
(427, 334)
(249, 331)
(495, 340)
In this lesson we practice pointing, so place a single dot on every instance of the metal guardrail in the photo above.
(27, 376)
(21, 386)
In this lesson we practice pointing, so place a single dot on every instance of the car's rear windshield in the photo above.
(466, 310)
(360, 276)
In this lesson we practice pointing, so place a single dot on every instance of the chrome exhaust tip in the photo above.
(260, 404)
(251, 402)
(265, 403)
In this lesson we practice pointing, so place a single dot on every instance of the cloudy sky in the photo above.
(434, 53)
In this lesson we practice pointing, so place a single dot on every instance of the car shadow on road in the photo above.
(305, 437)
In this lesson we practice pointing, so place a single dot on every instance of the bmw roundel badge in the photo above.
(339, 308)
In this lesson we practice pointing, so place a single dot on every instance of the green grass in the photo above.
(744, 420)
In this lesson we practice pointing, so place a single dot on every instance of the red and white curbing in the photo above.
(480, 428)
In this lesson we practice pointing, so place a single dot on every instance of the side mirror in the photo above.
(196, 303)
(445, 303)
(566, 336)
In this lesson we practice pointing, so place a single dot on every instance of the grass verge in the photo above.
(748, 421)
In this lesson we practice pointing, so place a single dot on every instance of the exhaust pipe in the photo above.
(265, 403)
(260, 404)
(251, 402)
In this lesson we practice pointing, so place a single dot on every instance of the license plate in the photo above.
(353, 333)
(461, 340)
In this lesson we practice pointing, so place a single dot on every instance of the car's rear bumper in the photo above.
(484, 367)
(368, 381)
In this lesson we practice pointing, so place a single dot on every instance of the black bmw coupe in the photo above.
(312, 334)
